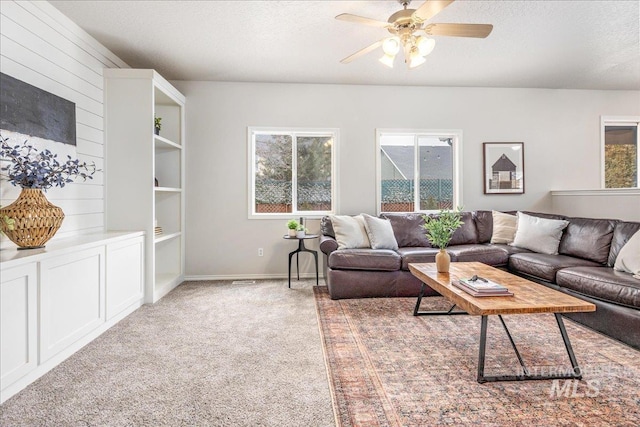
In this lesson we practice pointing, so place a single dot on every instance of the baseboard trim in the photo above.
(248, 276)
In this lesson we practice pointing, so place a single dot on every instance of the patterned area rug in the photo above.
(389, 368)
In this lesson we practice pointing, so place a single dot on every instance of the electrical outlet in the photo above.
(260, 252)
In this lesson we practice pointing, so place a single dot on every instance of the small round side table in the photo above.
(301, 248)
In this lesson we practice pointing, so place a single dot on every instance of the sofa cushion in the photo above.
(628, 259)
(603, 283)
(545, 266)
(379, 232)
(588, 238)
(408, 229)
(365, 259)
(350, 232)
(484, 225)
(510, 250)
(467, 234)
(621, 235)
(539, 234)
(417, 255)
(486, 254)
(504, 227)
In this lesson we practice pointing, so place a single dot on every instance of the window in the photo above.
(418, 170)
(620, 157)
(292, 171)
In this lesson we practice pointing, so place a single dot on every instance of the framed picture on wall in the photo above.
(503, 167)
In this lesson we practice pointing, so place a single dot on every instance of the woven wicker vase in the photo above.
(36, 220)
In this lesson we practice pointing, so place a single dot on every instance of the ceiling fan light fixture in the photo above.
(391, 46)
(415, 59)
(425, 45)
(387, 60)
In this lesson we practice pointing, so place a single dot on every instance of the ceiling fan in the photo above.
(409, 31)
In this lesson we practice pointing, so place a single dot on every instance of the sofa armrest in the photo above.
(328, 244)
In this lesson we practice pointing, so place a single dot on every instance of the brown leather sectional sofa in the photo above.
(583, 267)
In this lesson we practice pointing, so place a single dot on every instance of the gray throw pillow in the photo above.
(380, 233)
(539, 234)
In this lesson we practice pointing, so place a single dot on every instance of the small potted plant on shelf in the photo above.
(157, 125)
(32, 220)
(292, 225)
(439, 230)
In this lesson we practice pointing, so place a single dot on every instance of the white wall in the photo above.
(610, 203)
(42, 47)
(559, 128)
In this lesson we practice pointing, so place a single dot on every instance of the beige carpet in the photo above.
(208, 354)
(389, 368)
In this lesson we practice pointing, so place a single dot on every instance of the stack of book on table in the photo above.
(479, 287)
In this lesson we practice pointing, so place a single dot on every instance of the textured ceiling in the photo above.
(567, 44)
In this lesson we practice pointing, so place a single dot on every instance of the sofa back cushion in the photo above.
(408, 229)
(588, 238)
(467, 234)
(484, 225)
(621, 235)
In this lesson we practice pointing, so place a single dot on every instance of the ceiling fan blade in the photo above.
(459, 30)
(429, 9)
(362, 20)
(361, 52)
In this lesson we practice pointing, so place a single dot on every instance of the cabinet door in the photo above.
(125, 275)
(71, 298)
(18, 323)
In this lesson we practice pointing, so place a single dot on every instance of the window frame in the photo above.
(455, 134)
(294, 132)
(618, 121)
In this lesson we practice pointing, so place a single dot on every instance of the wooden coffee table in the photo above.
(528, 298)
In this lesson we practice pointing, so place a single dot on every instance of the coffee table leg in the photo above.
(483, 347)
(576, 374)
(416, 311)
(567, 344)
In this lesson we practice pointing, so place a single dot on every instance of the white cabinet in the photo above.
(141, 159)
(125, 275)
(55, 300)
(71, 299)
(18, 322)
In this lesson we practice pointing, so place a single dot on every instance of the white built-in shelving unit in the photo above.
(135, 158)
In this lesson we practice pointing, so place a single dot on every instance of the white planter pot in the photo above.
(299, 234)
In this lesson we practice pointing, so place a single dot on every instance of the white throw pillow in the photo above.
(350, 232)
(380, 233)
(540, 235)
(504, 227)
(629, 256)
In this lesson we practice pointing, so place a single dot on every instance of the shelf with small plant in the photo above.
(146, 137)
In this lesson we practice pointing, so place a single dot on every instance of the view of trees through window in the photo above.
(416, 171)
(621, 156)
(293, 172)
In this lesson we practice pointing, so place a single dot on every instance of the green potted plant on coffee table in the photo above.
(439, 230)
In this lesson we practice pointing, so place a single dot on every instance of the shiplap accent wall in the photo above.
(42, 47)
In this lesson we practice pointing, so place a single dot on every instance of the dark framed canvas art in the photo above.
(503, 167)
